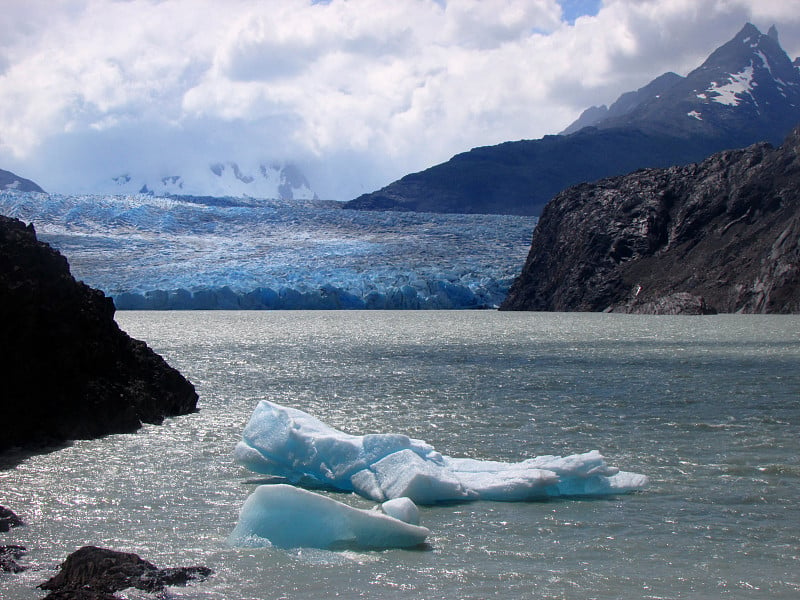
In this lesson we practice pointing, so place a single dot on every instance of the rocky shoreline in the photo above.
(92, 573)
(71, 373)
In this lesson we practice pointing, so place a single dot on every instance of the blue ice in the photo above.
(285, 516)
(289, 443)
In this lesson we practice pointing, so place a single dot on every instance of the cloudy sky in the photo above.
(357, 93)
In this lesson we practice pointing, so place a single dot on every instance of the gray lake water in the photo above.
(708, 407)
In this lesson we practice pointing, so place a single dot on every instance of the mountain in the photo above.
(627, 102)
(722, 235)
(10, 181)
(221, 179)
(748, 90)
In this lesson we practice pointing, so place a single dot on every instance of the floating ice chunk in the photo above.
(292, 444)
(401, 508)
(288, 517)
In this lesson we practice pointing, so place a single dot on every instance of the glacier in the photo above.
(172, 253)
(285, 442)
(284, 516)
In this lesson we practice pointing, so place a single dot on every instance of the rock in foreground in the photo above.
(96, 573)
(8, 519)
(717, 236)
(68, 371)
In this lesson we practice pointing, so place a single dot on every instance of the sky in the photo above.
(356, 93)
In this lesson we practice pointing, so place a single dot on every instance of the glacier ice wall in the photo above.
(239, 253)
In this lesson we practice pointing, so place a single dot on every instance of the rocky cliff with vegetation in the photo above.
(68, 371)
(717, 236)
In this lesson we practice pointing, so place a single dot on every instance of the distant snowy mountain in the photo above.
(221, 179)
(205, 253)
(747, 91)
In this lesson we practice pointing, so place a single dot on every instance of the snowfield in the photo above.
(239, 253)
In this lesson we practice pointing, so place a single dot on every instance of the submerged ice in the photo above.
(289, 443)
(288, 517)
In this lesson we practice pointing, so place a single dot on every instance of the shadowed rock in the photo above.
(93, 573)
(9, 555)
(717, 236)
(8, 519)
(68, 371)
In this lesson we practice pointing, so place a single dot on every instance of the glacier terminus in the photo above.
(155, 253)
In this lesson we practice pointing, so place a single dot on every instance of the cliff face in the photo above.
(68, 371)
(717, 236)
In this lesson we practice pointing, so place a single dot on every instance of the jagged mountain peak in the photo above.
(748, 90)
(739, 52)
(747, 87)
(747, 83)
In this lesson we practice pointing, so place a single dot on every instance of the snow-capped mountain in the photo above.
(747, 91)
(221, 179)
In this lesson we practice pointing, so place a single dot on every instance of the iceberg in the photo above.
(284, 516)
(289, 443)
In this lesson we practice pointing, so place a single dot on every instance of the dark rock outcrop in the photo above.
(68, 371)
(8, 519)
(717, 236)
(11, 181)
(9, 555)
(93, 573)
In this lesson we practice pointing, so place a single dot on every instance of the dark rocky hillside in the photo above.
(747, 91)
(519, 178)
(68, 371)
(10, 181)
(722, 235)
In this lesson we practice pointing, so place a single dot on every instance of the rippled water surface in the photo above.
(708, 407)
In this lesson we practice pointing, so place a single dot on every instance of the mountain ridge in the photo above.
(748, 90)
(12, 181)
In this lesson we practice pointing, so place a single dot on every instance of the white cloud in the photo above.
(357, 92)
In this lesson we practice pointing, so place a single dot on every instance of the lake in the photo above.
(707, 407)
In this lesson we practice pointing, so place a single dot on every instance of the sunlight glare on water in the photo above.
(706, 406)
